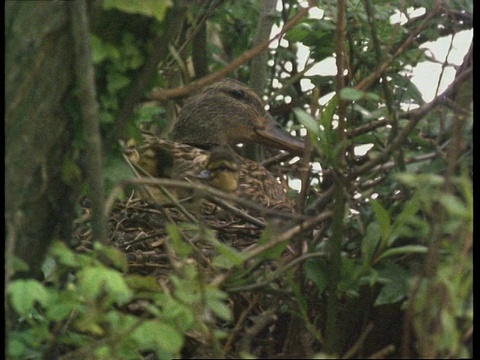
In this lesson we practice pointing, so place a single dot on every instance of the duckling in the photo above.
(224, 114)
(222, 170)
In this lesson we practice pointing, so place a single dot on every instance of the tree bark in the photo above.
(38, 136)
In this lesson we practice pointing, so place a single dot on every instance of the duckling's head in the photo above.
(228, 113)
(222, 169)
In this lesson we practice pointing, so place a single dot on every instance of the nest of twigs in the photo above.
(141, 230)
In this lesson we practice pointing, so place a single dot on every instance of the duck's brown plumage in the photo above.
(223, 114)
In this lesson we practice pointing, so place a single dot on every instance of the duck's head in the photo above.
(222, 169)
(228, 113)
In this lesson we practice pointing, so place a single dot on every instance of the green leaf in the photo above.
(402, 250)
(116, 81)
(177, 313)
(216, 302)
(18, 265)
(326, 120)
(177, 242)
(96, 280)
(152, 8)
(369, 115)
(272, 253)
(420, 180)
(317, 271)
(307, 120)
(24, 294)
(65, 255)
(298, 33)
(141, 282)
(396, 284)
(454, 206)
(163, 337)
(352, 94)
(117, 257)
(229, 256)
(383, 219)
(370, 242)
(102, 50)
(62, 308)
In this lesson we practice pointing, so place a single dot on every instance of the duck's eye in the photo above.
(222, 168)
(238, 94)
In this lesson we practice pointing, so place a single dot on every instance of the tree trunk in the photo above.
(38, 130)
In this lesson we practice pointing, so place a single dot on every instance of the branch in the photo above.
(210, 193)
(332, 333)
(367, 82)
(287, 235)
(166, 94)
(415, 116)
(258, 68)
(89, 109)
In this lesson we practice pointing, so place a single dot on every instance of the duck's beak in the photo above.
(204, 174)
(273, 135)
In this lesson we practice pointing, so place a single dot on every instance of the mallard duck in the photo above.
(223, 114)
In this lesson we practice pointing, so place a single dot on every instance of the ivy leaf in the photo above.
(24, 294)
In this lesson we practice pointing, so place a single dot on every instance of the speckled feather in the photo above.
(256, 183)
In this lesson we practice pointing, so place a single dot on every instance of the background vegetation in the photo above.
(384, 265)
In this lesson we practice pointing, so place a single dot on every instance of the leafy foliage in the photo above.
(88, 311)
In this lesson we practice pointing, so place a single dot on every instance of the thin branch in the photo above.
(136, 169)
(367, 82)
(289, 234)
(276, 240)
(355, 349)
(166, 94)
(415, 116)
(208, 192)
(383, 353)
(277, 273)
(332, 334)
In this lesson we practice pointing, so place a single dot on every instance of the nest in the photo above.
(141, 230)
